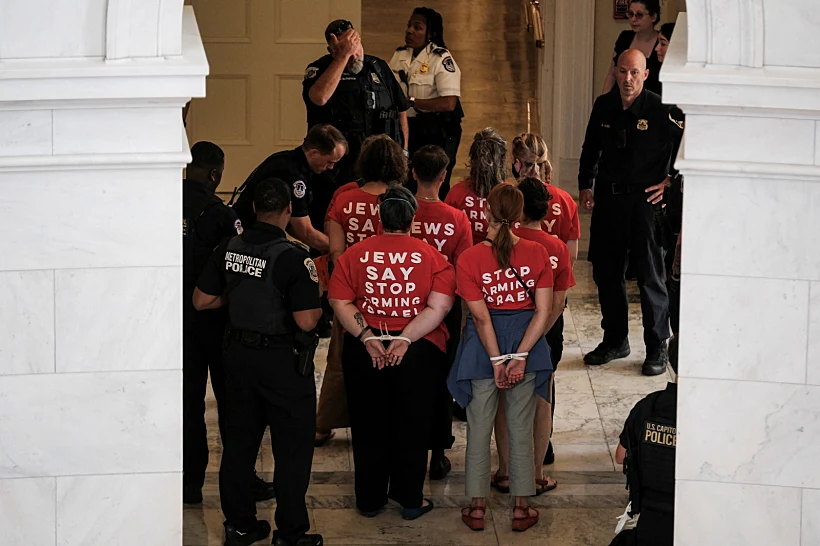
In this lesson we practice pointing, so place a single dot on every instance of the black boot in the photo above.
(248, 535)
(439, 465)
(656, 360)
(606, 352)
(262, 490)
(305, 540)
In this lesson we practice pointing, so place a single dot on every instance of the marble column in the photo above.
(747, 74)
(91, 152)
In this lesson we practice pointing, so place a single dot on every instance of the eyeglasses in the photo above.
(636, 15)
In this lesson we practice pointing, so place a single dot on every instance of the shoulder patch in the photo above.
(676, 122)
(299, 189)
(311, 72)
(440, 50)
(311, 267)
(449, 65)
(237, 225)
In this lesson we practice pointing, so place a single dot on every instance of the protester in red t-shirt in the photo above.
(448, 230)
(507, 284)
(352, 217)
(531, 159)
(394, 284)
(488, 168)
(536, 201)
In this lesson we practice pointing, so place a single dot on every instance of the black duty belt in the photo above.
(257, 340)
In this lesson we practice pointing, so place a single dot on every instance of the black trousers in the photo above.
(424, 132)
(391, 413)
(264, 389)
(623, 227)
(201, 353)
(555, 340)
(655, 528)
(442, 435)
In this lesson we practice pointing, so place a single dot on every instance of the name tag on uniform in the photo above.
(659, 434)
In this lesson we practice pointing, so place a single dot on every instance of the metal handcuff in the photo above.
(503, 359)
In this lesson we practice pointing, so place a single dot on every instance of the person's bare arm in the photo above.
(573, 251)
(352, 321)
(620, 454)
(203, 301)
(558, 299)
(405, 129)
(343, 48)
(438, 104)
(609, 82)
(535, 332)
(336, 239)
(307, 320)
(438, 305)
(305, 232)
(486, 333)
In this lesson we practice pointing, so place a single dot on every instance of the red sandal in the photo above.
(520, 525)
(473, 522)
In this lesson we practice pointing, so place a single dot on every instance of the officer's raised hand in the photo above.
(657, 191)
(345, 45)
(586, 200)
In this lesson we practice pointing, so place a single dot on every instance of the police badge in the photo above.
(424, 68)
(643, 125)
(375, 78)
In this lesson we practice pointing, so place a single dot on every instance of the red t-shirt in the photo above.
(462, 197)
(479, 277)
(445, 228)
(358, 213)
(562, 215)
(389, 278)
(559, 256)
(347, 187)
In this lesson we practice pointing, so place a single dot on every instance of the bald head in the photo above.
(631, 74)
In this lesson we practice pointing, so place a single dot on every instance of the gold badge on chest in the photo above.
(643, 125)
(424, 68)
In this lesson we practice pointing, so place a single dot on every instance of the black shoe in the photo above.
(655, 363)
(262, 490)
(246, 537)
(191, 495)
(439, 466)
(323, 328)
(605, 352)
(549, 458)
(306, 540)
(459, 413)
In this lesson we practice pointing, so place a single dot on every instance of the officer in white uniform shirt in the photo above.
(431, 80)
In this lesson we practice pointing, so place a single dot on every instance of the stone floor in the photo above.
(592, 404)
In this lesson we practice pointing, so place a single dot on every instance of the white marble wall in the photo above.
(749, 406)
(91, 157)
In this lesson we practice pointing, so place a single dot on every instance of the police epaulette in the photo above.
(299, 244)
(401, 48)
(441, 50)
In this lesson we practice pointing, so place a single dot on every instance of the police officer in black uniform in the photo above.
(627, 154)
(270, 287)
(354, 92)
(647, 451)
(302, 169)
(205, 221)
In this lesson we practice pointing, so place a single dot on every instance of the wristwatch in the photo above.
(412, 102)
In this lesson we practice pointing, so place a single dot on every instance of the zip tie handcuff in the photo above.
(499, 360)
(384, 336)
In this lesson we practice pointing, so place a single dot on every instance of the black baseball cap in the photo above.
(337, 27)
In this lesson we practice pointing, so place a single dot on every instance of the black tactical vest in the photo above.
(656, 458)
(382, 113)
(255, 304)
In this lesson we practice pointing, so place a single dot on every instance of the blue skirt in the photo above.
(473, 362)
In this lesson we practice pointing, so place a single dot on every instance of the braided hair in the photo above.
(435, 25)
(488, 161)
(531, 151)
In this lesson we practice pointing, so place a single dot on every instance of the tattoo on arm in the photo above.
(359, 320)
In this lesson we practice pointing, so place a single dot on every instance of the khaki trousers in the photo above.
(332, 412)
